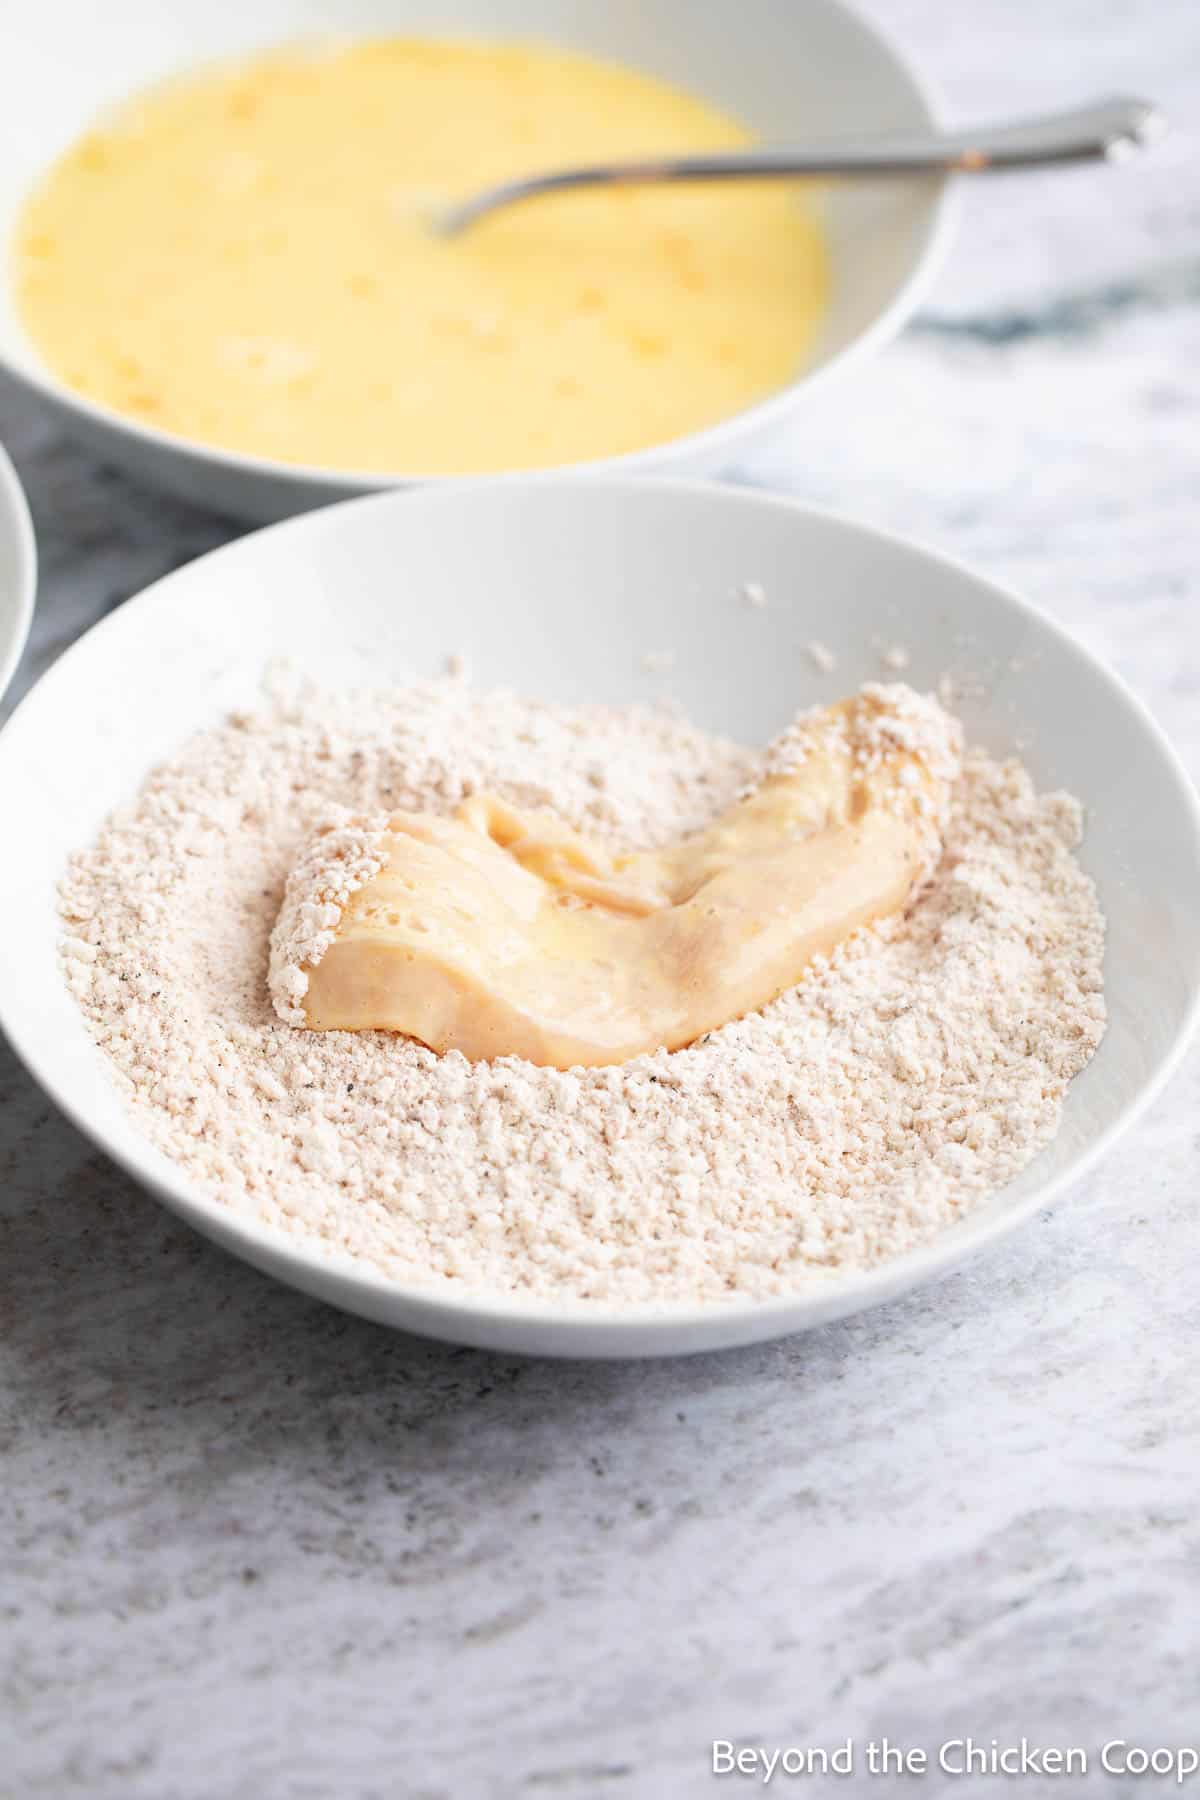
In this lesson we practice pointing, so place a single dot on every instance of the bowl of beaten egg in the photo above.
(221, 270)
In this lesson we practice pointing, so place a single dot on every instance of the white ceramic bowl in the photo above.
(786, 69)
(558, 588)
(18, 571)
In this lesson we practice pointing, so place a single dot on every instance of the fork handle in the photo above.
(1106, 128)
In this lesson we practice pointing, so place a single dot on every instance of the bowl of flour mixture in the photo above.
(618, 656)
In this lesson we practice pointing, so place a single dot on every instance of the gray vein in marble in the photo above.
(1071, 315)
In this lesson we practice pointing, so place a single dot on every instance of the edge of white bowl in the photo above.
(313, 483)
(583, 1328)
(15, 507)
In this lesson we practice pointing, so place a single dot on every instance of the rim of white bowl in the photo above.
(15, 519)
(442, 1316)
(747, 422)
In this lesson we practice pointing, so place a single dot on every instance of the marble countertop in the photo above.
(254, 1548)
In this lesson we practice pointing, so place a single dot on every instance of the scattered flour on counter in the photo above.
(658, 662)
(821, 657)
(913, 1072)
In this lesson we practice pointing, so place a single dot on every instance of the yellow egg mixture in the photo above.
(244, 257)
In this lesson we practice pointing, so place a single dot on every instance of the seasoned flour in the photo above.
(866, 1109)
